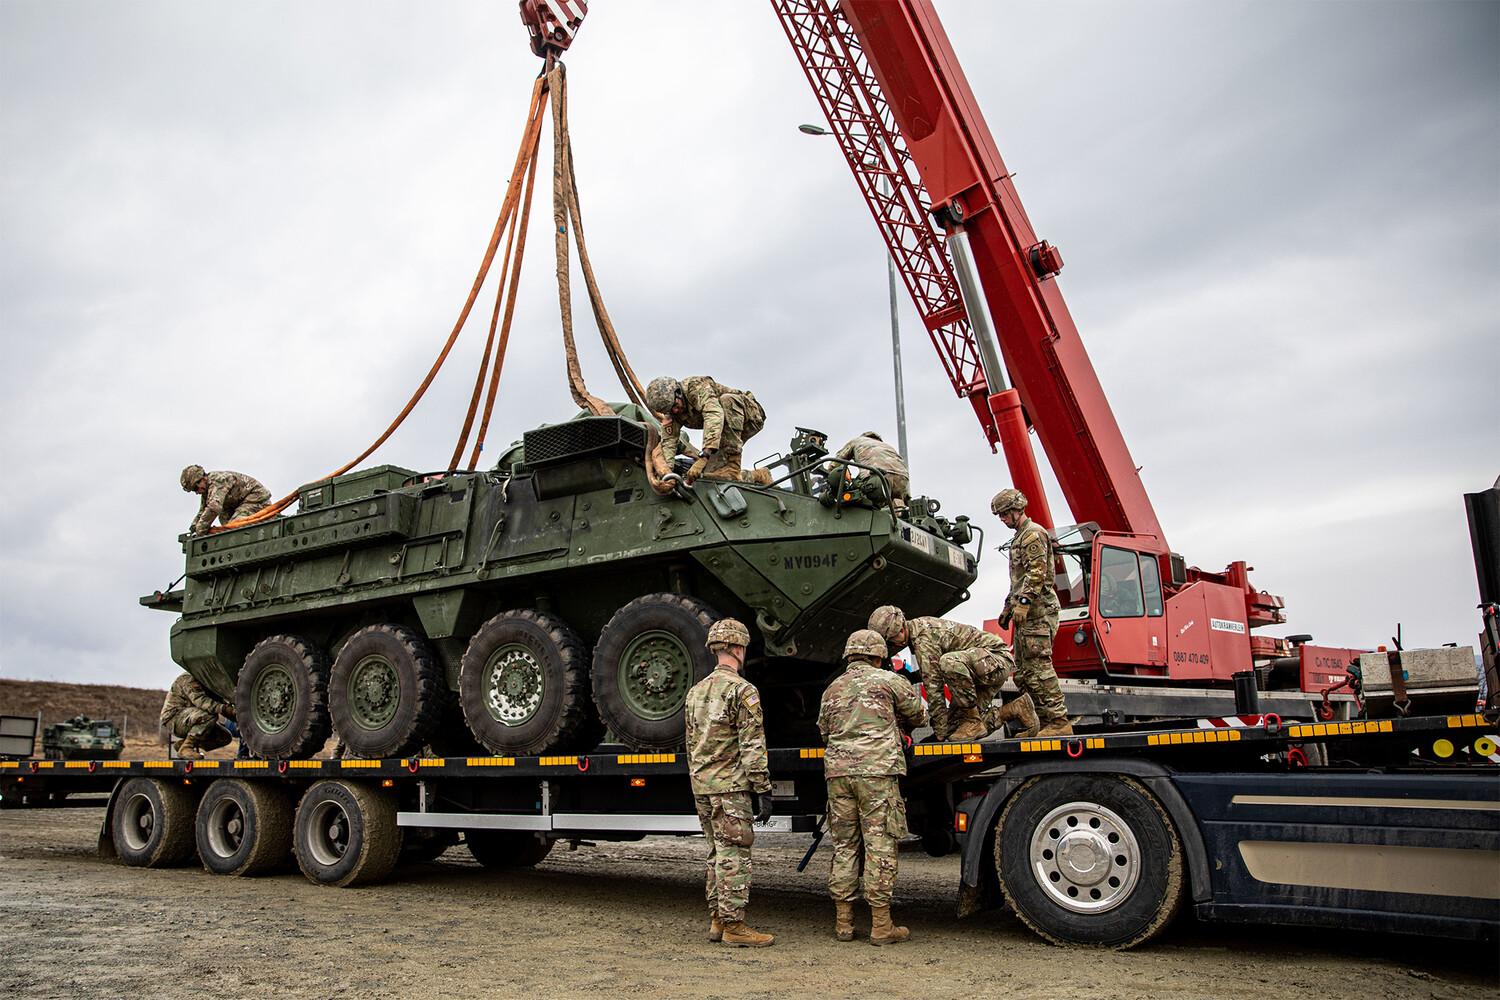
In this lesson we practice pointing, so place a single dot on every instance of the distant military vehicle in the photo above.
(82, 738)
(536, 604)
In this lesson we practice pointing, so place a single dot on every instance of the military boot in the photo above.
(882, 931)
(1019, 710)
(727, 466)
(760, 477)
(740, 934)
(843, 920)
(1057, 727)
(969, 727)
(715, 927)
(188, 749)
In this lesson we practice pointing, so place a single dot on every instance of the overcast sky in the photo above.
(237, 234)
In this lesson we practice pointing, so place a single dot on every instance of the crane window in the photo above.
(1071, 576)
(1151, 578)
(1120, 584)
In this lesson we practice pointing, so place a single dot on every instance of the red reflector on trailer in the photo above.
(973, 758)
(637, 782)
(387, 783)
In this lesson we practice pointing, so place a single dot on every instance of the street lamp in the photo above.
(895, 329)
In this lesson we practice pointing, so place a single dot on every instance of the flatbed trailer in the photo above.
(1099, 839)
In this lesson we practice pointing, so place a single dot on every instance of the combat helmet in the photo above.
(888, 621)
(872, 434)
(727, 632)
(866, 643)
(662, 393)
(190, 477)
(1011, 499)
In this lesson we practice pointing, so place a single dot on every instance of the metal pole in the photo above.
(890, 263)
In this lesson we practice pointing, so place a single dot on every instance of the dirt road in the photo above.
(614, 920)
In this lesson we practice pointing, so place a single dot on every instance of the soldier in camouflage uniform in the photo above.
(971, 663)
(861, 718)
(869, 449)
(1032, 607)
(727, 417)
(731, 780)
(192, 714)
(226, 495)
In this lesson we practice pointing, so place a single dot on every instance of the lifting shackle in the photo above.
(552, 24)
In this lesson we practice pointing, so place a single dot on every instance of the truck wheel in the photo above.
(153, 823)
(1090, 859)
(506, 848)
(346, 833)
(387, 692)
(524, 685)
(648, 656)
(281, 698)
(244, 828)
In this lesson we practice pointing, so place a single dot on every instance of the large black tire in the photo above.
(1090, 859)
(648, 656)
(506, 848)
(152, 825)
(524, 685)
(244, 827)
(346, 833)
(281, 698)
(387, 692)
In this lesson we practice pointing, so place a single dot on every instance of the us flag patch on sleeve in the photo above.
(752, 699)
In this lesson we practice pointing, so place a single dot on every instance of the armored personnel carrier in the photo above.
(534, 605)
(82, 738)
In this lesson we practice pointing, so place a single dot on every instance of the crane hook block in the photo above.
(552, 23)
(1046, 260)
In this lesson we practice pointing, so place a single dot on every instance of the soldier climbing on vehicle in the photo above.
(192, 715)
(728, 418)
(226, 496)
(1032, 607)
(869, 449)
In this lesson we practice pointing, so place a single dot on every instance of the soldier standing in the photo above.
(970, 662)
(226, 496)
(731, 780)
(861, 718)
(869, 449)
(192, 714)
(1032, 607)
(728, 418)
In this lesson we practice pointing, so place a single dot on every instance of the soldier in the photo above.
(869, 449)
(727, 417)
(192, 714)
(970, 662)
(861, 718)
(226, 495)
(731, 780)
(1032, 607)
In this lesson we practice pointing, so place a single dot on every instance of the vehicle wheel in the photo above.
(506, 848)
(346, 833)
(524, 685)
(281, 698)
(152, 824)
(387, 692)
(1090, 859)
(648, 656)
(244, 828)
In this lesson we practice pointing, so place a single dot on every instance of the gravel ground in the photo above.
(612, 920)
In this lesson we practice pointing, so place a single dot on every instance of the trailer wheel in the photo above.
(281, 698)
(153, 823)
(506, 848)
(387, 692)
(648, 656)
(1090, 859)
(346, 833)
(244, 828)
(524, 685)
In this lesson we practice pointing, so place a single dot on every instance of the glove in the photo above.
(762, 807)
(697, 468)
(228, 711)
(1020, 613)
(1004, 621)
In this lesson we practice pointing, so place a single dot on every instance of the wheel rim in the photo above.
(513, 685)
(328, 834)
(656, 671)
(274, 698)
(1085, 857)
(374, 692)
(226, 828)
(138, 822)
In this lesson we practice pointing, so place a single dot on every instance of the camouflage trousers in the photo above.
(252, 504)
(728, 826)
(866, 818)
(1034, 673)
(743, 419)
(973, 678)
(202, 726)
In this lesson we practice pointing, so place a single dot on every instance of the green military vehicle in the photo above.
(533, 606)
(82, 738)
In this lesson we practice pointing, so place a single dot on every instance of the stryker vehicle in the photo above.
(82, 738)
(547, 599)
